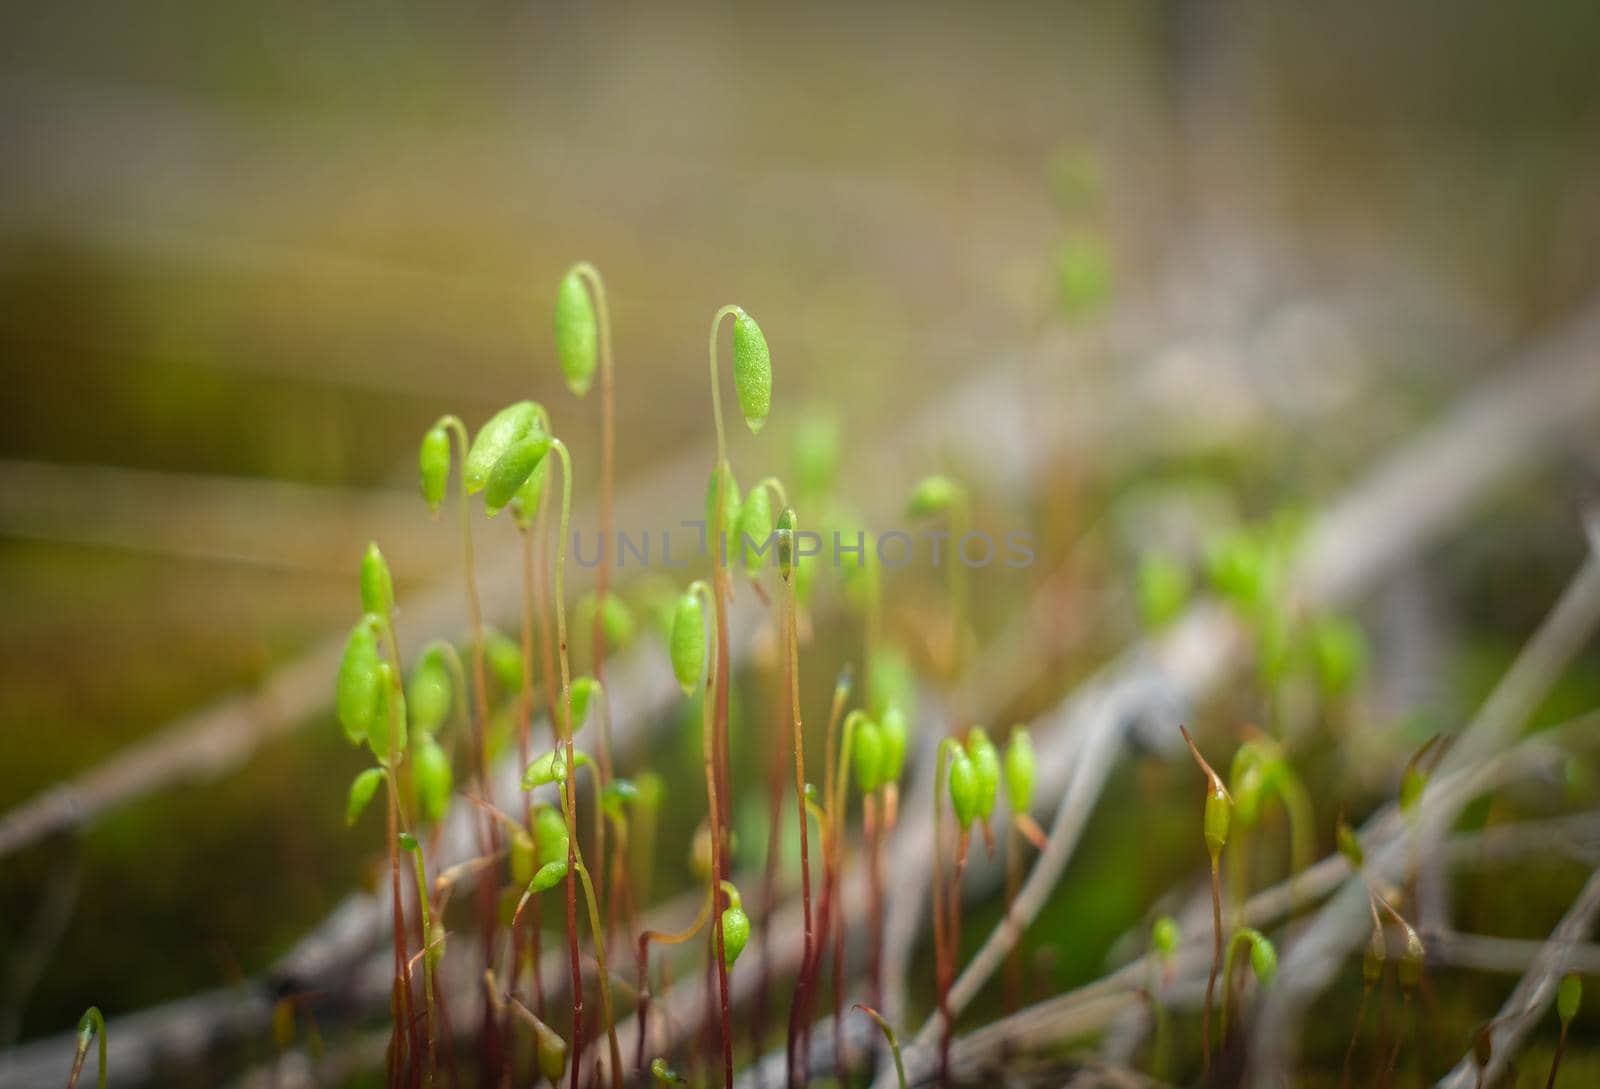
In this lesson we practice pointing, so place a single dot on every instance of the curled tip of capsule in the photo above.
(688, 643)
(577, 332)
(933, 495)
(1219, 803)
(986, 767)
(965, 790)
(1020, 766)
(752, 371)
(433, 459)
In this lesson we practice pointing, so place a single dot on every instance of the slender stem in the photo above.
(1355, 1033)
(488, 917)
(597, 288)
(716, 393)
(1216, 963)
(941, 939)
(1399, 1038)
(792, 628)
(419, 867)
(872, 828)
(1013, 973)
(1550, 1083)
(661, 938)
(94, 1023)
(890, 1038)
(576, 872)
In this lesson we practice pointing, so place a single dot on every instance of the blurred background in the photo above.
(248, 253)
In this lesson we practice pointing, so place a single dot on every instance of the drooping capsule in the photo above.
(688, 642)
(1263, 960)
(584, 691)
(548, 876)
(433, 459)
(735, 934)
(504, 656)
(362, 789)
(577, 333)
(1569, 995)
(512, 470)
(525, 504)
(386, 734)
(430, 691)
(755, 526)
(1164, 937)
(1020, 764)
(752, 371)
(549, 834)
(359, 685)
(432, 778)
(510, 424)
(729, 525)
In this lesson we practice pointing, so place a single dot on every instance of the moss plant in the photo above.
(1569, 995)
(1259, 771)
(583, 340)
(1263, 963)
(953, 773)
(889, 1038)
(91, 1029)
(1218, 815)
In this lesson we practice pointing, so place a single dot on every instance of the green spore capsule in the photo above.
(818, 452)
(688, 645)
(965, 790)
(891, 680)
(584, 691)
(1020, 766)
(525, 504)
(548, 876)
(1411, 960)
(986, 767)
(933, 495)
(512, 470)
(752, 372)
(892, 728)
(1164, 588)
(359, 687)
(430, 690)
(551, 768)
(1263, 960)
(377, 586)
(510, 424)
(735, 933)
(1569, 996)
(505, 659)
(1350, 845)
(729, 525)
(386, 736)
(664, 1075)
(866, 754)
(788, 522)
(549, 834)
(433, 459)
(1219, 813)
(617, 796)
(577, 333)
(431, 778)
(755, 526)
(1164, 937)
(552, 1053)
(1372, 959)
(362, 789)
(522, 858)
(1248, 787)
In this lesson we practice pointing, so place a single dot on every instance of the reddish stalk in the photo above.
(873, 830)
(792, 628)
(716, 756)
